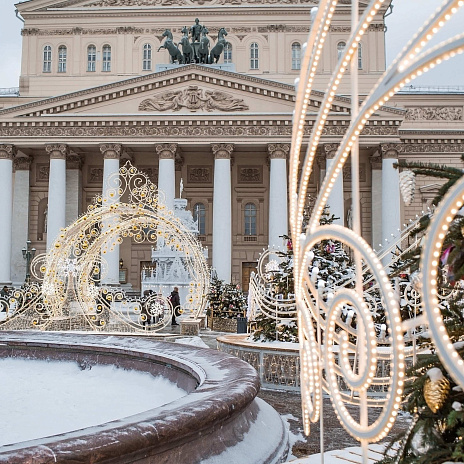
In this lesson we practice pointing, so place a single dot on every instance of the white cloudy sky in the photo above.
(407, 16)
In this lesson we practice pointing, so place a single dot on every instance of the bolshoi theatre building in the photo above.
(96, 90)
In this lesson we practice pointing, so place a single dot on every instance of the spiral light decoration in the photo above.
(72, 271)
(335, 350)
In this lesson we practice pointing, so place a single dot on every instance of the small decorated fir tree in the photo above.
(225, 300)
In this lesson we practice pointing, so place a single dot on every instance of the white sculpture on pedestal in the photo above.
(169, 267)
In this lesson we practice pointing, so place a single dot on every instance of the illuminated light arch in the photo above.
(72, 271)
(319, 318)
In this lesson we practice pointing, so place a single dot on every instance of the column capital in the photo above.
(321, 160)
(278, 150)
(391, 150)
(330, 150)
(57, 150)
(376, 160)
(111, 150)
(222, 150)
(22, 163)
(166, 150)
(74, 160)
(7, 151)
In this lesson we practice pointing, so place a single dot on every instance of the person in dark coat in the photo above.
(175, 302)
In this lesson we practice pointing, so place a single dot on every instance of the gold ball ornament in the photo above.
(436, 389)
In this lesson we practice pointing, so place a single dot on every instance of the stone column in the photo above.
(56, 209)
(391, 217)
(111, 155)
(167, 172)
(222, 211)
(321, 160)
(7, 153)
(278, 193)
(336, 200)
(376, 197)
(73, 187)
(20, 227)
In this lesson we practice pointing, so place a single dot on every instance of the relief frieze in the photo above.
(82, 31)
(151, 172)
(362, 173)
(434, 113)
(193, 98)
(184, 131)
(250, 174)
(138, 3)
(42, 172)
(95, 174)
(199, 174)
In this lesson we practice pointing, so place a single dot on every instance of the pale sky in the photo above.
(407, 16)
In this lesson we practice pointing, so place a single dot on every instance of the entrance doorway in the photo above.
(247, 269)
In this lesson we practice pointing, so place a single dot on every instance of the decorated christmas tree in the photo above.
(225, 300)
(330, 264)
(431, 395)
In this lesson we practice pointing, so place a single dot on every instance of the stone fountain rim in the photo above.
(225, 386)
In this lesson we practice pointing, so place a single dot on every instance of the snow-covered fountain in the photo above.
(209, 412)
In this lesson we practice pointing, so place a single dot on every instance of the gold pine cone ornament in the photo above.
(436, 389)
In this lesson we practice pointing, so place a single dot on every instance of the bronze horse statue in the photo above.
(171, 47)
(203, 49)
(219, 47)
(187, 49)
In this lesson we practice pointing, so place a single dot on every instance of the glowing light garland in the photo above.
(343, 357)
(72, 271)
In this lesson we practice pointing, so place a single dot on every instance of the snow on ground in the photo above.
(43, 398)
(351, 455)
(292, 437)
(194, 341)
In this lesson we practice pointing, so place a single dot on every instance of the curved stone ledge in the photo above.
(217, 421)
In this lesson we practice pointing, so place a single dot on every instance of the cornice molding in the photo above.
(188, 128)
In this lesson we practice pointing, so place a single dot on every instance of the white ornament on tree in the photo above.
(407, 186)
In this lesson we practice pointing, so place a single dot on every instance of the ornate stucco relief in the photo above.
(194, 99)
(434, 113)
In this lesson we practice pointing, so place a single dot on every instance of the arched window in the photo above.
(91, 58)
(146, 61)
(228, 53)
(62, 55)
(250, 219)
(199, 215)
(296, 55)
(340, 49)
(360, 56)
(106, 64)
(254, 56)
(47, 59)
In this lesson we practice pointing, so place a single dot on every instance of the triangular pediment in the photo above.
(191, 89)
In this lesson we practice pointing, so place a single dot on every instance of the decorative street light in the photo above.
(28, 255)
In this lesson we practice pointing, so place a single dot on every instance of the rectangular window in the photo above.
(91, 58)
(106, 58)
(47, 59)
(62, 59)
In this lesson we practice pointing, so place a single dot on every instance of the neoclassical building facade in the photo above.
(94, 92)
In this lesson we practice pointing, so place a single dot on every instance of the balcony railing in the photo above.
(9, 91)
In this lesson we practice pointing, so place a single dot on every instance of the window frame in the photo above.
(227, 53)
(199, 215)
(62, 59)
(147, 57)
(360, 56)
(106, 58)
(296, 60)
(254, 55)
(91, 59)
(340, 49)
(47, 59)
(250, 219)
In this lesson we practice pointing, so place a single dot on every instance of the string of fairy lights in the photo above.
(329, 347)
(73, 271)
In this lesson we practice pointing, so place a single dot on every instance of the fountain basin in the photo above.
(218, 421)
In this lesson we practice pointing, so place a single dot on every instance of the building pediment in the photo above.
(182, 90)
